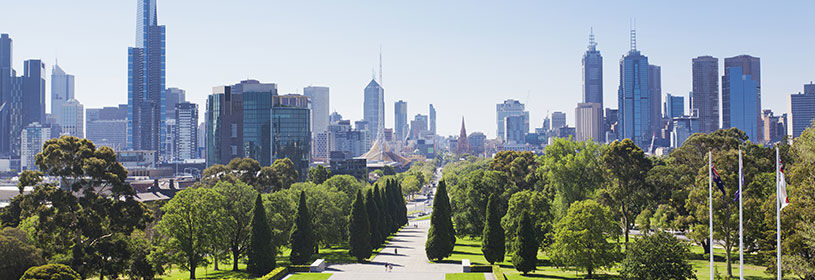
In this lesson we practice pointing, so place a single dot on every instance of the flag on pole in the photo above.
(741, 181)
(718, 180)
(782, 187)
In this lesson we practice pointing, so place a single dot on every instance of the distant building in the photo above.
(318, 97)
(682, 128)
(173, 96)
(238, 122)
(71, 120)
(477, 141)
(343, 139)
(463, 145)
(517, 128)
(565, 132)
(33, 137)
(593, 74)
(107, 126)
(705, 95)
(611, 121)
(432, 120)
(774, 127)
(146, 76)
(186, 131)
(510, 107)
(674, 106)
(374, 107)
(655, 90)
(400, 122)
(418, 126)
(11, 96)
(741, 95)
(291, 131)
(343, 163)
(802, 110)
(33, 92)
(558, 120)
(589, 122)
(62, 89)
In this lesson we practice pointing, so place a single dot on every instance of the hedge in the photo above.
(480, 268)
(299, 268)
(276, 274)
(498, 272)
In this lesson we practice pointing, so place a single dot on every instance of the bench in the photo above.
(465, 265)
(317, 266)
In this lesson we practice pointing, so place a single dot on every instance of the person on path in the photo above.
(387, 266)
(395, 251)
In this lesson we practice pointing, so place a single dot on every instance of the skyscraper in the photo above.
(319, 99)
(8, 77)
(374, 108)
(186, 131)
(516, 130)
(62, 89)
(33, 92)
(802, 110)
(558, 120)
(173, 96)
(674, 106)
(593, 74)
(432, 120)
(418, 127)
(400, 123)
(655, 89)
(589, 122)
(741, 95)
(291, 134)
(510, 107)
(146, 81)
(71, 118)
(33, 136)
(705, 96)
(634, 98)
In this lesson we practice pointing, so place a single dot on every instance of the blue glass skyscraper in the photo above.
(146, 81)
(742, 102)
(633, 97)
(593, 74)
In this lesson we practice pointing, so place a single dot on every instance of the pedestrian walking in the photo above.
(395, 251)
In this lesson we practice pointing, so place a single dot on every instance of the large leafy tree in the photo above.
(536, 205)
(572, 171)
(581, 238)
(359, 231)
(657, 256)
(192, 221)
(18, 254)
(525, 247)
(261, 250)
(627, 168)
(281, 208)
(302, 236)
(441, 238)
(285, 172)
(318, 174)
(245, 169)
(518, 166)
(468, 199)
(237, 207)
(493, 242)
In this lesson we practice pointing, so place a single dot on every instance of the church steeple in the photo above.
(463, 143)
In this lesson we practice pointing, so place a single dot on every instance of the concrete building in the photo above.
(741, 95)
(107, 126)
(318, 97)
(802, 110)
(510, 107)
(186, 131)
(589, 122)
(558, 120)
(400, 122)
(477, 143)
(418, 127)
(71, 120)
(705, 95)
(33, 137)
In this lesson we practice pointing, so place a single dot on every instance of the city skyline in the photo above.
(526, 58)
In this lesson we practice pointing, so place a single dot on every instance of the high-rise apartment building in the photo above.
(11, 96)
(33, 92)
(655, 89)
(741, 95)
(400, 122)
(802, 110)
(418, 127)
(319, 100)
(186, 131)
(432, 120)
(72, 118)
(589, 122)
(593, 74)
(510, 107)
(774, 127)
(107, 126)
(146, 81)
(33, 136)
(173, 96)
(634, 97)
(674, 106)
(705, 95)
(374, 108)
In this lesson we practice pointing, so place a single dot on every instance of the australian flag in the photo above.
(718, 180)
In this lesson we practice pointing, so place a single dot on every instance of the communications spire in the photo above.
(592, 42)
(381, 83)
(633, 34)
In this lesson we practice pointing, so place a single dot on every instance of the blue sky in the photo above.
(462, 56)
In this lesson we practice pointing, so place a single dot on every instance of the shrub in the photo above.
(50, 272)
(480, 268)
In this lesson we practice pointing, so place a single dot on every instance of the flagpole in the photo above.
(777, 216)
(710, 207)
(741, 230)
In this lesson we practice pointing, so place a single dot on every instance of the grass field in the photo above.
(309, 276)
(426, 217)
(464, 276)
(471, 249)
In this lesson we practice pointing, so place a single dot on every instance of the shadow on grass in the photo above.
(465, 253)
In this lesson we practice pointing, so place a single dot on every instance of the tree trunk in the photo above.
(215, 259)
(192, 269)
(625, 224)
(234, 258)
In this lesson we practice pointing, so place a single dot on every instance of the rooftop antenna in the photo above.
(592, 43)
(373, 74)
(381, 83)
(633, 34)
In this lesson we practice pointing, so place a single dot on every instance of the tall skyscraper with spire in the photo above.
(146, 81)
(593, 73)
(634, 97)
(62, 90)
(374, 108)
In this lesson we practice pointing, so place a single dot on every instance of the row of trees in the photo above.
(652, 193)
(380, 212)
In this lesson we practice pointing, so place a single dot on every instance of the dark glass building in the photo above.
(593, 74)
(146, 81)
(291, 135)
(704, 98)
(741, 99)
(634, 98)
(33, 92)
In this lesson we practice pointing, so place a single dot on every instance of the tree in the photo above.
(359, 231)
(627, 168)
(191, 222)
(572, 171)
(302, 238)
(441, 238)
(519, 167)
(493, 243)
(318, 174)
(28, 178)
(261, 251)
(237, 206)
(80, 166)
(50, 272)
(373, 218)
(468, 199)
(346, 184)
(281, 208)
(537, 206)
(643, 221)
(581, 238)
(18, 254)
(657, 256)
(328, 209)
(388, 170)
(285, 172)
(245, 169)
(382, 217)
(525, 247)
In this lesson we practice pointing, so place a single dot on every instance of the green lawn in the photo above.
(464, 276)
(426, 217)
(471, 249)
(309, 276)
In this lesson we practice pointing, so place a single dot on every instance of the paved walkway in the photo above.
(405, 252)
